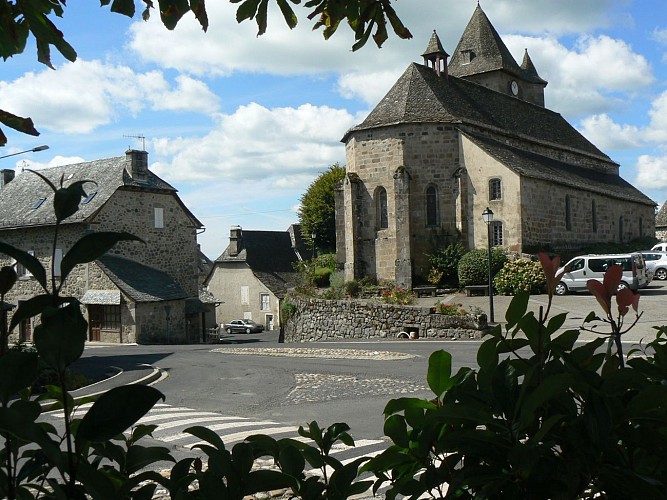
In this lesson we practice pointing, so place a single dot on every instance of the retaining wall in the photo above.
(317, 319)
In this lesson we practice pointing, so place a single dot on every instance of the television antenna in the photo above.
(140, 137)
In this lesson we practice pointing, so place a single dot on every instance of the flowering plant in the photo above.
(396, 295)
(451, 309)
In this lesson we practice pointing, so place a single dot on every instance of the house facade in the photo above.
(453, 137)
(252, 276)
(138, 292)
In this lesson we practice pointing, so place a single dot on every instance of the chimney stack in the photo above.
(138, 161)
(235, 240)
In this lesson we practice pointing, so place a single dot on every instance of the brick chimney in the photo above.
(235, 241)
(6, 176)
(137, 164)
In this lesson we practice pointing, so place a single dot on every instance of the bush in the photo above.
(474, 266)
(321, 276)
(451, 309)
(446, 262)
(521, 275)
(393, 294)
(352, 288)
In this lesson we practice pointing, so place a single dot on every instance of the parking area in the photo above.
(652, 306)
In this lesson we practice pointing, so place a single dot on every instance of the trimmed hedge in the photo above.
(474, 266)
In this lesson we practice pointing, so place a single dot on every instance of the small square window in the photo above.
(38, 203)
(159, 217)
(89, 198)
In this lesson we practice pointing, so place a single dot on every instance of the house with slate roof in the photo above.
(661, 223)
(452, 138)
(146, 293)
(252, 276)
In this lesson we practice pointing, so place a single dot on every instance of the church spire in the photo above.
(435, 56)
(529, 69)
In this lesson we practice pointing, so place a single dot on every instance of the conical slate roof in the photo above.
(421, 96)
(487, 50)
(529, 69)
(434, 46)
(661, 217)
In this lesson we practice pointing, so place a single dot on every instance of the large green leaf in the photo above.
(207, 435)
(139, 457)
(267, 480)
(66, 200)
(61, 336)
(28, 261)
(91, 247)
(403, 404)
(8, 278)
(291, 461)
(396, 429)
(439, 375)
(18, 370)
(516, 309)
(116, 410)
(24, 125)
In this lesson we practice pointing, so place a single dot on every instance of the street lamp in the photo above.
(33, 150)
(487, 215)
(312, 239)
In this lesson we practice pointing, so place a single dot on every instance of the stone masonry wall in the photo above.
(317, 320)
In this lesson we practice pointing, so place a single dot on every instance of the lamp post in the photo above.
(33, 150)
(487, 215)
(312, 239)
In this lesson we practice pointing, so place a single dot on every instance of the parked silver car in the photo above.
(656, 264)
(243, 325)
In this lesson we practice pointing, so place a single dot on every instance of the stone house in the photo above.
(452, 138)
(252, 276)
(146, 293)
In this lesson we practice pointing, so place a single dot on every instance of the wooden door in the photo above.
(95, 317)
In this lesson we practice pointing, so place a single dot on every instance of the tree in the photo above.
(317, 214)
(19, 19)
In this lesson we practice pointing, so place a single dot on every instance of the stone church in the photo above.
(455, 136)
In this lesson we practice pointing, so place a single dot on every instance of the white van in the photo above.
(660, 247)
(585, 267)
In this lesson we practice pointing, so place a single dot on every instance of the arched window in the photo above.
(381, 214)
(431, 206)
(495, 189)
(568, 213)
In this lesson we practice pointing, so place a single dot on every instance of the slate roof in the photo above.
(270, 255)
(434, 46)
(488, 51)
(421, 96)
(661, 217)
(18, 197)
(529, 164)
(140, 282)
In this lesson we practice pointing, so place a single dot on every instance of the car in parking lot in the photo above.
(656, 264)
(660, 247)
(579, 270)
(243, 326)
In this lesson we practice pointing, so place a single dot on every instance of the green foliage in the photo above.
(315, 273)
(352, 288)
(287, 310)
(521, 275)
(446, 262)
(451, 309)
(317, 211)
(474, 266)
(542, 417)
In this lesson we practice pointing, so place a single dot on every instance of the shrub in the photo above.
(474, 266)
(352, 288)
(446, 261)
(521, 275)
(321, 276)
(287, 310)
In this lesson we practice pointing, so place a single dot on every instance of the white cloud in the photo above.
(574, 90)
(651, 172)
(369, 87)
(602, 131)
(256, 143)
(657, 129)
(82, 96)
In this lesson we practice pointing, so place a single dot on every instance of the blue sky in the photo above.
(241, 125)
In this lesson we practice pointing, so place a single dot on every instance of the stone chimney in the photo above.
(235, 240)
(137, 164)
(6, 176)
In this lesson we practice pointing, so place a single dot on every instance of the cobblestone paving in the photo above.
(306, 352)
(318, 387)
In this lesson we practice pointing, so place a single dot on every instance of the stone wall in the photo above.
(317, 320)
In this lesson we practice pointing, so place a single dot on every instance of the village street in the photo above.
(252, 384)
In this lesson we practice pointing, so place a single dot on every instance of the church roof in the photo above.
(533, 165)
(420, 96)
(434, 46)
(529, 68)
